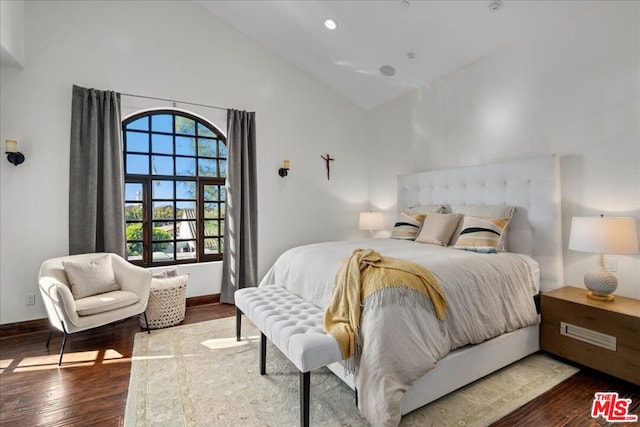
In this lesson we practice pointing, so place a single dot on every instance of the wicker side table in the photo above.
(167, 302)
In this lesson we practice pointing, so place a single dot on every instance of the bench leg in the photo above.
(263, 354)
(305, 385)
(238, 323)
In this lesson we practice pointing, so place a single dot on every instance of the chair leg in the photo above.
(64, 341)
(305, 386)
(263, 354)
(238, 324)
(146, 323)
(49, 337)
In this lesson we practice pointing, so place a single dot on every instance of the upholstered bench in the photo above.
(294, 326)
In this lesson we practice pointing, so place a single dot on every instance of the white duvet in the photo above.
(487, 295)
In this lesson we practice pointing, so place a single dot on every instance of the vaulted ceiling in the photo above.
(421, 40)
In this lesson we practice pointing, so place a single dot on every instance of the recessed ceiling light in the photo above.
(330, 24)
(405, 4)
(387, 70)
(495, 5)
(411, 55)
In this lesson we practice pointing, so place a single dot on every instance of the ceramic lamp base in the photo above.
(606, 298)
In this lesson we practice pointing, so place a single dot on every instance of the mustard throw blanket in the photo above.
(362, 274)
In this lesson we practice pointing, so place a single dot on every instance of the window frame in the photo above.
(147, 182)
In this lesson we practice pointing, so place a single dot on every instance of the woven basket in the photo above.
(166, 306)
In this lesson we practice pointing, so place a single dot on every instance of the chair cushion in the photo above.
(107, 301)
(90, 277)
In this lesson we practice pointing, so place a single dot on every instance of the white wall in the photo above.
(574, 91)
(175, 50)
(12, 51)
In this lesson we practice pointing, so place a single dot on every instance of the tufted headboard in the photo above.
(532, 185)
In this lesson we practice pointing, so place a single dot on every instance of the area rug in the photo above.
(198, 375)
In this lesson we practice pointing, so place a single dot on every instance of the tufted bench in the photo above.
(294, 326)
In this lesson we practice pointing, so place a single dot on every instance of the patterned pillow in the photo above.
(486, 211)
(407, 226)
(481, 234)
(437, 228)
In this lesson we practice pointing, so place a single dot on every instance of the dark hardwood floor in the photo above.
(90, 389)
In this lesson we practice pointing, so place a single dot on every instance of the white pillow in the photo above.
(426, 209)
(438, 228)
(158, 283)
(169, 272)
(88, 278)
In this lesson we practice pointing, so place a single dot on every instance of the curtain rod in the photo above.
(174, 101)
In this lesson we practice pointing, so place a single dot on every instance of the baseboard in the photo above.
(8, 330)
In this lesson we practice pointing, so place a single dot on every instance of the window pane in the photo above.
(161, 190)
(183, 206)
(162, 165)
(137, 141)
(185, 126)
(223, 193)
(211, 228)
(205, 131)
(185, 146)
(187, 229)
(207, 147)
(161, 143)
(166, 255)
(140, 124)
(185, 166)
(222, 227)
(207, 167)
(223, 150)
(134, 241)
(187, 250)
(133, 211)
(223, 168)
(211, 210)
(211, 246)
(185, 189)
(211, 193)
(162, 123)
(133, 191)
(163, 210)
(222, 209)
(137, 164)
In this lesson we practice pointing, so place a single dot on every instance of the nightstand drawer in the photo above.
(618, 329)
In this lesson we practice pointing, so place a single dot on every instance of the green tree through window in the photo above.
(175, 199)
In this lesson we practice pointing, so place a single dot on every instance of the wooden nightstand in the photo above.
(615, 325)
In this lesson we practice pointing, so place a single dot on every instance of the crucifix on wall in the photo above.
(327, 158)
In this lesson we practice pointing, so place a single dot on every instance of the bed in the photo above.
(533, 239)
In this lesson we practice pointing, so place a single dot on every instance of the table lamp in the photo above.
(371, 221)
(603, 235)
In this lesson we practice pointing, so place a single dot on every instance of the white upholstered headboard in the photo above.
(532, 185)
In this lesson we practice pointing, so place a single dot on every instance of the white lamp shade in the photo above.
(371, 221)
(604, 235)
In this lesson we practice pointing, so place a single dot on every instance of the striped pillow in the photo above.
(481, 234)
(407, 226)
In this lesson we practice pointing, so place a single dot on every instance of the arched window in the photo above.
(175, 167)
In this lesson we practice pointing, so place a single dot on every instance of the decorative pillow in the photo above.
(407, 226)
(169, 282)
(90, 277)
(438, 228)
(169, 272)
(481, 234)
(428, 209)
(486, 211)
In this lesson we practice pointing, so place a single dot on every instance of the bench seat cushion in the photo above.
(107, 301)
(292, 324)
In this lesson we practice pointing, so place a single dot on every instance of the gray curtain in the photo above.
(240, 262)
(96, 177)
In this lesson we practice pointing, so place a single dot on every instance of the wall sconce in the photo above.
(13, 155)
(284, 170)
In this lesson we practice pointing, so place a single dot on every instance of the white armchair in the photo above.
(69, 315)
